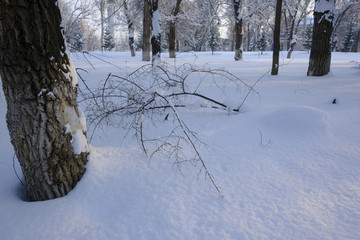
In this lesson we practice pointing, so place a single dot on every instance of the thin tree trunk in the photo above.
(130, 29)
(39, 83)
(172, 39)
(320, 55)
(276, 50)
(238, 30)
(155, 35)
(110, 20)
(292, 38)
(172, 30)
(146, 31)
(102, 22)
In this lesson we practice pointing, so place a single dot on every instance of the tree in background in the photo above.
(156, 33)
(263, 42)
(276, 50)
(320, 55)
(252, 44)
(238, 29)
(308, 37)
(110, 20)
(356, 41)
(172, 29)
(108, 42)
(101, 6)
(213, 41)
(147, 25)
(78, 44)
(295, 13)
(46, 127)
(130, 24)
(348, 38)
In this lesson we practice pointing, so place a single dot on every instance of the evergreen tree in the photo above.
(308, 37)
(349, 38)
(263, 42)
(75, 38)
(253, 44)
(213, 42)
(109, 43)
(78, 44)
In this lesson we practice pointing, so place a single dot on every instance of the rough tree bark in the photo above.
(238, 30)
(155, 34)
(320, 55)
(276, 51)
(39, 81)
(146, 31)
(292, 38)
(110, 20)
(172, 30)
(354, 47)
(131, 30)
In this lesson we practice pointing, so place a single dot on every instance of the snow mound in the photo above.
(298, 121)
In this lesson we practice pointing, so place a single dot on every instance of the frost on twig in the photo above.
(152, 96)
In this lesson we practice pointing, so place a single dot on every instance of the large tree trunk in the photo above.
(320, 55)
(172, 30)
(276, 51)
(45, 125)
(354, 47)
(238, 30)
(146, 31)
(155, 35)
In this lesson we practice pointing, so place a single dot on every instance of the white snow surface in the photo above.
(288, 165)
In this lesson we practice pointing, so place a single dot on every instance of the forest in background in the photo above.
(204, 25)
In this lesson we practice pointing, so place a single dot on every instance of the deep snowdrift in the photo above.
(288, 165)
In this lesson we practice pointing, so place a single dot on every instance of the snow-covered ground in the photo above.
(288, 165)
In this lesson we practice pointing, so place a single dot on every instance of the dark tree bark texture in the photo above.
(155, 36)
(172, 30)
(320, 55)
(39, 84)
(146, 31)
(238, 30)
(130, 24)
(276, 51)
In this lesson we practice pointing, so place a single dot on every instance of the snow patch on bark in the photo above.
(79, 142)
(156, 24)
(75, 123)
(72, 75)
(322, 6)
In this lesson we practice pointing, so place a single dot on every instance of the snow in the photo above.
(75, 123)
(324, 6)
(156, 23)
(79, 142)
(73, 74)
(288, 165)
